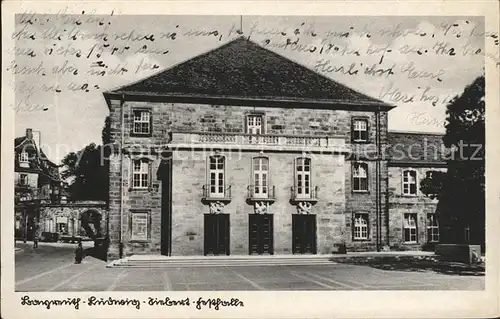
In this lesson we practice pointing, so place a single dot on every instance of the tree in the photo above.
(461, 190)
(88, 170)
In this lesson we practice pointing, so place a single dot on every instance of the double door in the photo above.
(261, 234)
(304, 234)
(216, 234)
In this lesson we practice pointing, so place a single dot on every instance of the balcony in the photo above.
(305, 195)
(258, 142)
(260, 194)
(211, 194)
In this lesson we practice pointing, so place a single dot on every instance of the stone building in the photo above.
(242, 151)
(36, 181)
(412, 215)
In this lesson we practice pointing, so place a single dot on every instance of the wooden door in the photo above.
(261, 234)
(304, 234)
(216, 234)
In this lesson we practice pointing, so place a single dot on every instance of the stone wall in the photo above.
(334, 209)
(190, 175)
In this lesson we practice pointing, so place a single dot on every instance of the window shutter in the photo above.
(352, 130)
(368, 223)
(367, 138)
(150, 175)
(132, 122)
(150, 123)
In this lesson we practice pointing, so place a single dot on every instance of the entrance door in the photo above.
(261, 234)
(216, 237)
(304, 234)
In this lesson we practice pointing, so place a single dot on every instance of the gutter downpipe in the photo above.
(377, 183)
(122, 102)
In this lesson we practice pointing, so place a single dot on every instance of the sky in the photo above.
(63, 62)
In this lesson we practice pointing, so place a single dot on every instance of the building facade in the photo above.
(242, 151)
(412, 215)
(36, 182)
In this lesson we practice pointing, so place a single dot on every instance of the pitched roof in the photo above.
(41, 164)
(244, 69)
(416, 148)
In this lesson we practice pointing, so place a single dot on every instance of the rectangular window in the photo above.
(23, 157)
(140, 178)
(303, 177)
(216, 176)
(410, 228)
(361, 226)
(140, 226)
(142, 123)
(360, 130)
(23, 179)
(432, 228)
(409, 182)
(360, 177)
(260, 177)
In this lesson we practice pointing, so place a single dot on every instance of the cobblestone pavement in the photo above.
(52, 268)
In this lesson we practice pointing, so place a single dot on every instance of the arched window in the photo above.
(260, 177)
(409, 182)
(360, 177)
(216, 175)
(303, 177)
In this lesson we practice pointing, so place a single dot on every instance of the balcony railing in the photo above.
(251, 140)
(260, 193)
(212, 193)
(304, 194)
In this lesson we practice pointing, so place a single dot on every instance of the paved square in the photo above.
(53, 269)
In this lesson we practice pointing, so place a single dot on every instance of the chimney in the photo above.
(29, 133)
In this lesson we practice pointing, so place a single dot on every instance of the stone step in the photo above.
(234, 264)
(211, 261)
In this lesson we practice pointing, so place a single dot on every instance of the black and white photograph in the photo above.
(247, 153)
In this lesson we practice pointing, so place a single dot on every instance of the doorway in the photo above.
(216, 234)
(260, 234)
(304, 234)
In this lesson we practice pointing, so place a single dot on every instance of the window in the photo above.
(260, 177)
(23, 157)
(255, 124)
(142, 122)
(432, 228)
(216, 176)
(409, 182)
(23, 179)
(303, 177)
(360, 130)
(410, 228)
(140, 226)
(361, 226)
(360, 177)
(140, 177)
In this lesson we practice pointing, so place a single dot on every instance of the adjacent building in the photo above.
(242, 151)
(36, 182)
(412, 215)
